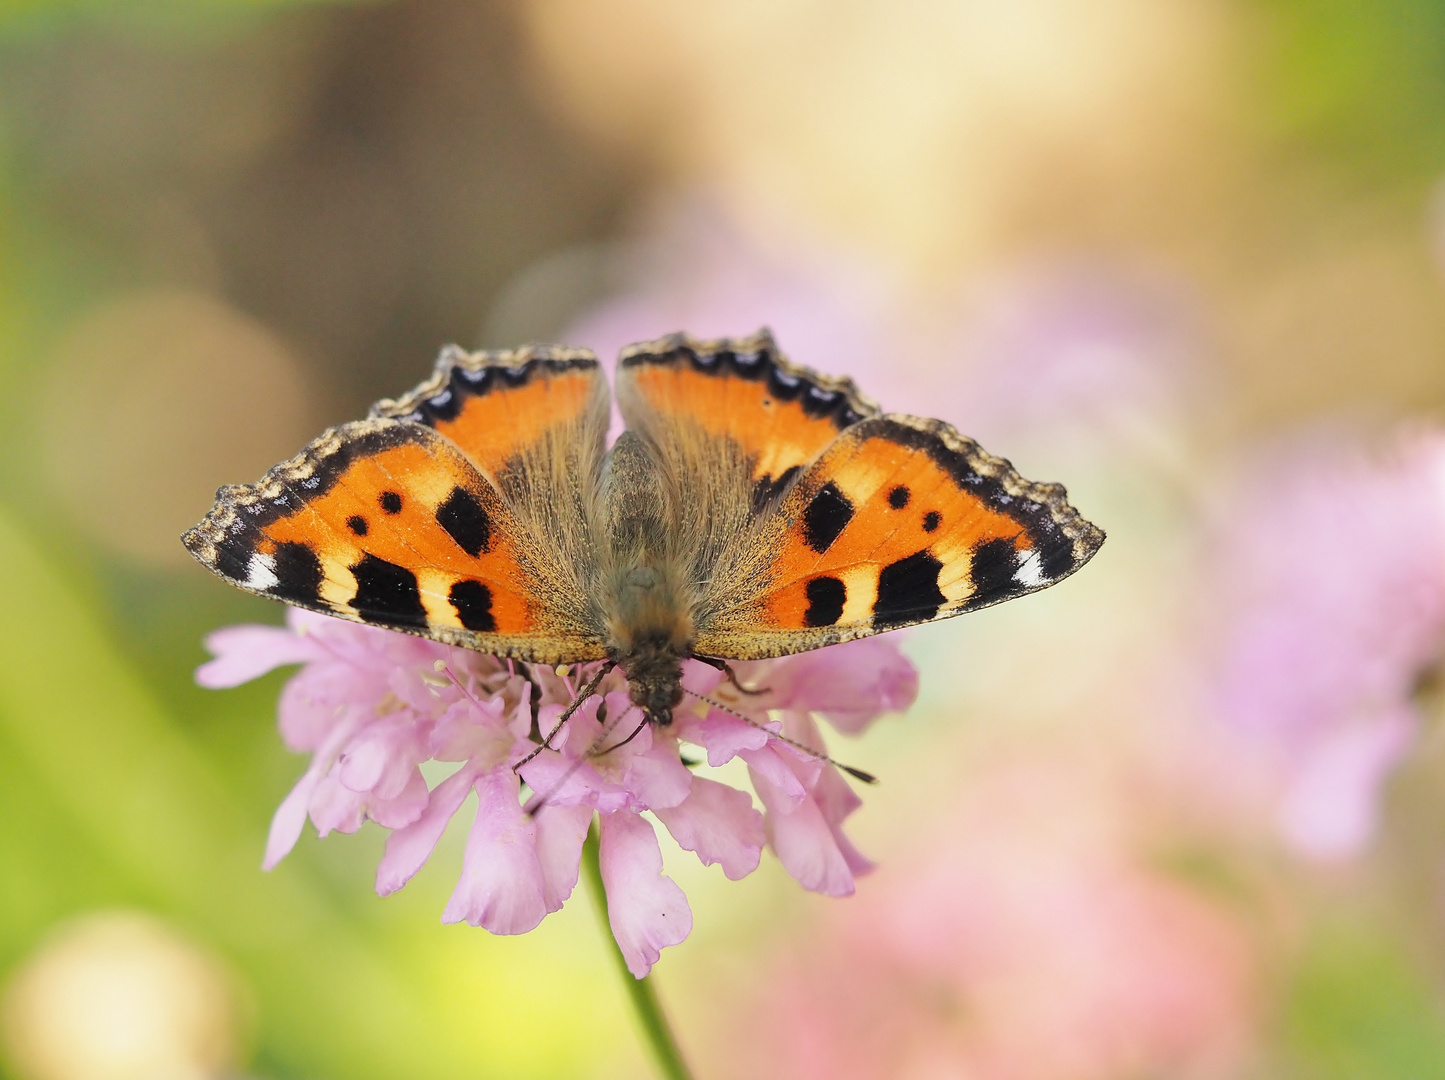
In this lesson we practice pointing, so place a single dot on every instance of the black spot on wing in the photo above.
(766, 490)
(473, 602)
(466, 522)
(390, 502)
(357, 524)
(298, 573)
(825, 517)
(908, 591)
(1042, 512)
(899, 496)
(826, 597)
(387, 593)
(932, 520)
(992, 572)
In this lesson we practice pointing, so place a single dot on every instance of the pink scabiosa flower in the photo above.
(371, 706)
(1034, 945)
(1330, 580)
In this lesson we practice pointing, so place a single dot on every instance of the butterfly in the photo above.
(752, 508)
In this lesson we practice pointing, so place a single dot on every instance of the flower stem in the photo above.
(643, 994)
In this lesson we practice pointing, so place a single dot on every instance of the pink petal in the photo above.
(850, 684)
(319, 696)
(655, 774)
(836, 800)
(804, 842)
(501, 887)
(563, 783)
(290, 819)
(719, 823)
(408, 849)
(700, 678)
(405, 807)
(770, 765)
(646, 910)
(722, 736)
(383, 760)
(560, 832)
(334, 807)
(243, 653)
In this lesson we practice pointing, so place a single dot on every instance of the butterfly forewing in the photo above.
(900, 521)
(386, 522)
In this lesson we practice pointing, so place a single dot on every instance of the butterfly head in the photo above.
(653, 668)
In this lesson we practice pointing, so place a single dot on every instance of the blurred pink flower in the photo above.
(1330, 574)
(372, 706)
(1031, 946)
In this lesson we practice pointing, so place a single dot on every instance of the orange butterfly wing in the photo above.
(900, 521)
(387, 521)
(779, 415)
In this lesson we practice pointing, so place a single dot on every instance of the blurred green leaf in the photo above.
(1363, 83)
(1359, 1009)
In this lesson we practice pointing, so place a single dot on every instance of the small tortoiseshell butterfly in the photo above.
(752, 508)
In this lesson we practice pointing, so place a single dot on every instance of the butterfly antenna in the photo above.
(582, 695)
(540, 802)
(818, 755)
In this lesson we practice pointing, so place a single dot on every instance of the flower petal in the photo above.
(290, 819)
(647, 911)
(502, 886)
(803, 841)
(722, 736)
(560, 832)
(243, 653)
(408, 849)
(850, 685)
(719, 823)
(334, 807)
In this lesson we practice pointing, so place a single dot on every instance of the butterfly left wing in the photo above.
(386, 522)
(900, 521)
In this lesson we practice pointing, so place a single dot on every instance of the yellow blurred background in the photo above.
(1129, 244)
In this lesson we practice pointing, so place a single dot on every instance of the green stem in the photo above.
(641, 991)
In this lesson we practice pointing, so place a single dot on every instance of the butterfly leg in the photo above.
(582, 695)
(726, 669)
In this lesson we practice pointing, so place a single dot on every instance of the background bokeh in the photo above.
(1181, 817)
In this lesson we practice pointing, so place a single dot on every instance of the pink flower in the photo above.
(1330, 574)
(1032, 946)
(372, 706)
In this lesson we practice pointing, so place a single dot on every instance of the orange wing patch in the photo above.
(901, 521)
(493, 404)
(781, 415)
(387, 523)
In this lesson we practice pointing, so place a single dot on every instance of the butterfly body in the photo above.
(752, 508)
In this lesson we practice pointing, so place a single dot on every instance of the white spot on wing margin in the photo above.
(261, 572)
(1030, 572)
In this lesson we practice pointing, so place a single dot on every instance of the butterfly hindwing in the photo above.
(496, 406)
(386, 522)
(775, 415)
(900, 521)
